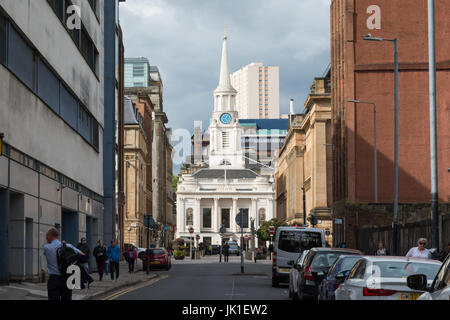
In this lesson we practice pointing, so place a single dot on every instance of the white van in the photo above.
(289, 243)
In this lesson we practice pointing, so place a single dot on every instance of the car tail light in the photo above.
(336, 286)
(275, 259)
(377, 292)
(308, 274)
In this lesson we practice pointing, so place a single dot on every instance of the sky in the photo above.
(184, 39)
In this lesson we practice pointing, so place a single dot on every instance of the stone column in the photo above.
(216, 215)
(197, 216)
(233, 215)
(181, 221)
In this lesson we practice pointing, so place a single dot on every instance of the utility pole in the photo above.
(433, 131)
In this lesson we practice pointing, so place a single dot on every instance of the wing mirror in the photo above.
(417, 282)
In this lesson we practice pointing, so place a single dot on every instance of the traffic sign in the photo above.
(149, 222)
(246, 237)
(271, 230)
(191, 230)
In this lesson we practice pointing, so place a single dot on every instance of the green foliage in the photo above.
(178, 254)
(263, 231)
(175, 183)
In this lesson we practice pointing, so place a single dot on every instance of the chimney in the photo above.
(292, 107)
(291, 112)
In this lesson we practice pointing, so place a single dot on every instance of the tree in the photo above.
(263, 231)
(175, 183)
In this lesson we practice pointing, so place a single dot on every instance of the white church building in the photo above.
(212, 197)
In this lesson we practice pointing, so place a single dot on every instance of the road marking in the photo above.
(127, 290)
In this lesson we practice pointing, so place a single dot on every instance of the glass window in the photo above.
(358, 271)
(189, 217)
(403, 269)
(226, 218)
(298, 241)
(95, 133)
(84, 123)
(443, 278)
(48, 86)
(324, 259)
(206, 217)
(3, 38)
(69, 108)
(20, 58)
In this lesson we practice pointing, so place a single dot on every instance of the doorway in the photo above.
(69, 226)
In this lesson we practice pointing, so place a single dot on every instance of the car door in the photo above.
(352, 287)
(441, 284)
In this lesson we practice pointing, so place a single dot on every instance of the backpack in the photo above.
(66, 257)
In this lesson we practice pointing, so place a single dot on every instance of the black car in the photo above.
(315, 267)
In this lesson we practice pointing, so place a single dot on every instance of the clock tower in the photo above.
(225, 131)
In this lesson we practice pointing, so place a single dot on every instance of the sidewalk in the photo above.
(38, 291)
(215, 259)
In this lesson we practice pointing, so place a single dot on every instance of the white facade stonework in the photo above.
(212, 197)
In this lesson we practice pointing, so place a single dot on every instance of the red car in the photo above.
(159, 257)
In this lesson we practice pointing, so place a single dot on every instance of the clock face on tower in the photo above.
(225, 118)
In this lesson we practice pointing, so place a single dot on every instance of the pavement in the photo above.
(38, 291)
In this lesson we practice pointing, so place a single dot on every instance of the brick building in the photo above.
(364, 70)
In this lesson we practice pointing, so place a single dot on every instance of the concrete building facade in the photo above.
(304, 165)
(52, 119)
(364, 70)
(258, 91)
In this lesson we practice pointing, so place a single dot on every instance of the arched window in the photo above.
(189, 217)
(262, 215)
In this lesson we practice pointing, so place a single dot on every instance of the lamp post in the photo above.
(396, 71)
(304, 206)
(433, 131)
(375, 173)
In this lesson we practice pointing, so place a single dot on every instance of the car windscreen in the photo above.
(298, 241)
(156, 251)
(345, 264)
(403, 269)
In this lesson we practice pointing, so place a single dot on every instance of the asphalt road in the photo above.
(211, 281)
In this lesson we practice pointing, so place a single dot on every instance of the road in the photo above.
(209, 280)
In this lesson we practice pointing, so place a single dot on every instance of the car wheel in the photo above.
(169, 266)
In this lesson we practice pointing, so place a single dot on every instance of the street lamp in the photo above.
(375, 173)
(395, 218)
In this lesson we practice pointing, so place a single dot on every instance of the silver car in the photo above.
(440, 289)
(385, 278)
(293, 275)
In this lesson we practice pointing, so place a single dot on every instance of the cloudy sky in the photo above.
(184, 38)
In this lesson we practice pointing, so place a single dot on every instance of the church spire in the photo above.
(225, 82)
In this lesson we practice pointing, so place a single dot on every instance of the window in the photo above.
(206, 217)
(226, 218)
(358, 270)
(298, 241)
(69, 108)
(225, 140)
(95, 135)
(443, 277)
(20, 58)
(87, 48)
(84, 124)
(3, 38)
(48, 86)
(189, 217)
(262, 215)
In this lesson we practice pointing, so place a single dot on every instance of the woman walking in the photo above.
(131, 255)
(420, 251)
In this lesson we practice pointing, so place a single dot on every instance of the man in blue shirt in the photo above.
(56, 286)
(113, 253)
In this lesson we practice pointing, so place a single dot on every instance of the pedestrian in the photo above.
(113, 253)
(381, 251)
(226, 252)
(56, 286)
(131, 255)
(420, 251)
(100, 258)
(83, 247)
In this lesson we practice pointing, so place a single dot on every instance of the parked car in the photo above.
(233, 247)
(156, 257)
(342, 265)
(385, 278)
(315, 268)
(440, 288)
(293, 275)
(289, 244)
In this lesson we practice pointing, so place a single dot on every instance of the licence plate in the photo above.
(408, 296)
(155, 262)
(287, 270)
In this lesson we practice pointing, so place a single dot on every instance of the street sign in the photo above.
(246, 237)
(191, 230)
(238, 219)
(149, 222)
(166, 227)
(197, 237)
(133, 225)
(271, 230)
